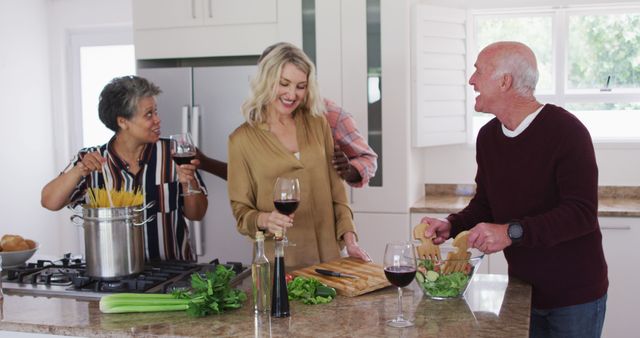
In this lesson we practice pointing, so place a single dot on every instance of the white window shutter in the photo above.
(438, 69)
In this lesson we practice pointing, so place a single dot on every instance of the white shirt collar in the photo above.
(522, 126)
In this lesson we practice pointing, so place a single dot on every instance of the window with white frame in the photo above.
(97, 56)
(98, 65)
(588, 58)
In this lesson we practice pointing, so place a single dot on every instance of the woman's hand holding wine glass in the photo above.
(273, 221)
(286, 198)
(183, 151)
(400, 270)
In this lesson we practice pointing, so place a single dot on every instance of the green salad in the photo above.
(437, 284)
(310, 291)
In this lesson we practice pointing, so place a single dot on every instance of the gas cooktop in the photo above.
(67, 278)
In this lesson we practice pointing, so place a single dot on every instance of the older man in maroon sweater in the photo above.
(536, 197)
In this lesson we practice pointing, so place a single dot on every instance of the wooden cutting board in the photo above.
(370, 276)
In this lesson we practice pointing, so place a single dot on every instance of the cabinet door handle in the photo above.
(193, 9)
(612, 227)
(210, 10)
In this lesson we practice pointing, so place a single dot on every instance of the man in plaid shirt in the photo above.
(354, 160)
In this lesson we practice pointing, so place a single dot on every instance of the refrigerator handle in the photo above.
(185, 120)
(197, 237)
(195, 134)
(195, 125)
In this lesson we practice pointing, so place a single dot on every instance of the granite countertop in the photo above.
(613, 201)
(494, 307)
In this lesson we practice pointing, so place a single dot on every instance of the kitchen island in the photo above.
(493, 307)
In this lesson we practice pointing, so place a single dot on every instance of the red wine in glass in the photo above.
(400, 269)
(286, 198)
(183, 150)
(286, 207)
(400, 276)
(184, 158)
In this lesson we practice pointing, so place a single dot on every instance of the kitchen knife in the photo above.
(334, 273)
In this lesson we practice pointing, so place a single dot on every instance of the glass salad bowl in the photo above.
(447, 279)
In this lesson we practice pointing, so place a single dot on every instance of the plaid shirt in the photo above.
(350, 141)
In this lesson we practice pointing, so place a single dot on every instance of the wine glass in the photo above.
(183, 151)
(286, 198)
(400, 269)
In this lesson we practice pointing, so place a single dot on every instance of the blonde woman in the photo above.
(286, 134)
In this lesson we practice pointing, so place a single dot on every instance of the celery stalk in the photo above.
(143, 308)
(141, 302)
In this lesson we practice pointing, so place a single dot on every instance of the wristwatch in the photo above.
(515, 231)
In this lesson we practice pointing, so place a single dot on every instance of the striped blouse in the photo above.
(167, 236)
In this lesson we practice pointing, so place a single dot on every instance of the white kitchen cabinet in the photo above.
(341, 58)
(376, 230)
(209, 28)
(155, 14)
(162, 14)
(620, 238)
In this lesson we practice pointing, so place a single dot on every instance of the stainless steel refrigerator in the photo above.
(206, 102)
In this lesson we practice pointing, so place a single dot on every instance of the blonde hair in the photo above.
(264, 85)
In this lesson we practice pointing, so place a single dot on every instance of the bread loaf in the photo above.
(15, 243)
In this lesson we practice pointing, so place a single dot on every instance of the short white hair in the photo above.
(523, 69)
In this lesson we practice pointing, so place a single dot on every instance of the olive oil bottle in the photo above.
(260, 274)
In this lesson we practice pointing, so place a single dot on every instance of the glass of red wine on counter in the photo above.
(286, 198)
(183, 150)
(400, 269)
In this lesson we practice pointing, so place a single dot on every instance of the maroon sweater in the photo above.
(547, 178)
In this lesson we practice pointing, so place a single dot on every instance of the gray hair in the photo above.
(120, 97)
(518, 60)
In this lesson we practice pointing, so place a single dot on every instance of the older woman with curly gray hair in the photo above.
(136, 159)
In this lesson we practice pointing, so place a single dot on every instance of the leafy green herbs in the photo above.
(208, 294)
(212, 294)
(310, 291)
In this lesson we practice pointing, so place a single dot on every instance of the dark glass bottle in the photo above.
(279, 295)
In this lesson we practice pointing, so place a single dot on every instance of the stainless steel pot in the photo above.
(113, 240)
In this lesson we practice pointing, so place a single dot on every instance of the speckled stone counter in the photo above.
(613, 201)
(493, 307)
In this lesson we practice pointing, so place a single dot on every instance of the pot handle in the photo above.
(74, 219)
(77, 209)
(145, 207)
(149, 219)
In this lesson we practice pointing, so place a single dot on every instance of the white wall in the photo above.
(34, 107)
(618, 164)
(69, 17)
(25, 121)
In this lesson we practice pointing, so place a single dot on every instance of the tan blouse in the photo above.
(257, 158)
